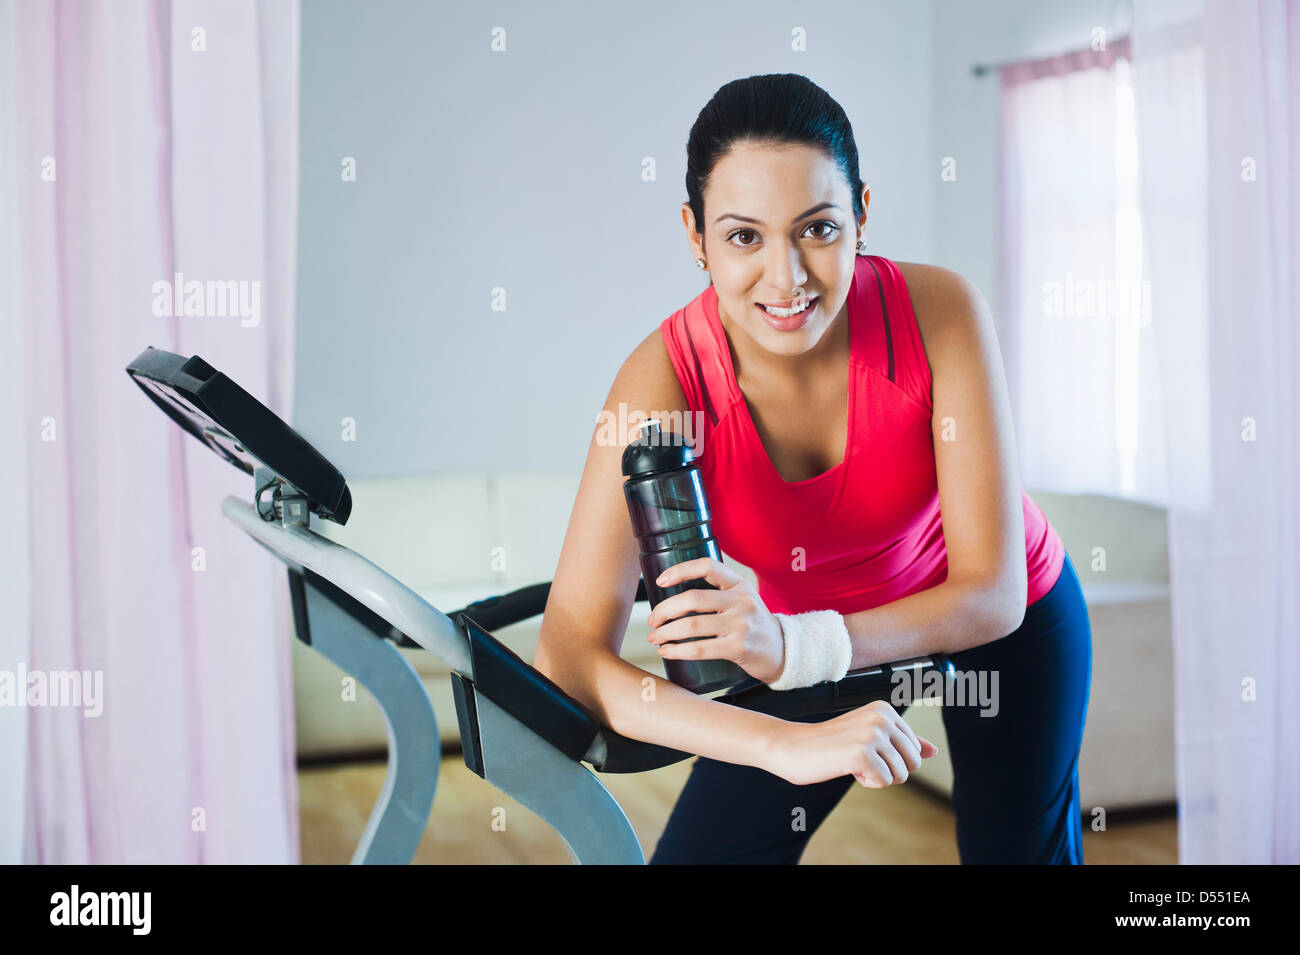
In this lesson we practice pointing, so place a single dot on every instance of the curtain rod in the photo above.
(983, 69)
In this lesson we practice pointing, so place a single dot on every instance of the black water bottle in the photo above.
(670, 518)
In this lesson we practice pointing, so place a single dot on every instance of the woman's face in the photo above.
(779, 230)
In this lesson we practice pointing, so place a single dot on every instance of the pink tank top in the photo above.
(868, 531)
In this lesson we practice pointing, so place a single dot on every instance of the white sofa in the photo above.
(457, 538)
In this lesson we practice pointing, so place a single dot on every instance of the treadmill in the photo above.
(518, 729)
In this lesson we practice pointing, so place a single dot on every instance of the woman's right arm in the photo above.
(594, 589)
(590, 602)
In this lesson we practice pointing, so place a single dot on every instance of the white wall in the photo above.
(522, 170)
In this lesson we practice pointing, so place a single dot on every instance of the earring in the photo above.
(699, 263)
(862, 246)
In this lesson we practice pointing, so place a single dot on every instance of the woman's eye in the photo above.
(830, 227)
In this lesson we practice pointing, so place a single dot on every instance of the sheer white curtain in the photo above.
(15, 568)
(140, 140)
(1218, 97)
(1074, 316)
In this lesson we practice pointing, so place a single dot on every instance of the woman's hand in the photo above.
(872, 743)
(744, 630)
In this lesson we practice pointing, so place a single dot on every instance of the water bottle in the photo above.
(670, 518)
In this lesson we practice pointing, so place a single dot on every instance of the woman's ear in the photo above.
(693, 236)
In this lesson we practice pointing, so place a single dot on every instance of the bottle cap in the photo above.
(654, 450)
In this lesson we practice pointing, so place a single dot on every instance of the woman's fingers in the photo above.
(895, 752)
(688, 601)
(704, 648)
(901, 724)
(706, 568)
(906, 746)
(878, 774)
(688, 627)
(896, 749)
(923, 747)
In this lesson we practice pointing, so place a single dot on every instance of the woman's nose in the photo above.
(783, 269)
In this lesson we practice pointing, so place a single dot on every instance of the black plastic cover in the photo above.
(471, 747)
(238, 427)
(298, 600)
(350, 605)
(527, 694)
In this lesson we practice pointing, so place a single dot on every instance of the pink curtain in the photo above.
(1072, 321)
(148, 139)
(1217, 85)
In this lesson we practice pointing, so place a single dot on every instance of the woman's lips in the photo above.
(792, 323)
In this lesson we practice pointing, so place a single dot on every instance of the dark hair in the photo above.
(772, 108)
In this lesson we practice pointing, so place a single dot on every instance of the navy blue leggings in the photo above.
(1015, 774)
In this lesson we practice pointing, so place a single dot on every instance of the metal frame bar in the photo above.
(516, 760)
(401, 813)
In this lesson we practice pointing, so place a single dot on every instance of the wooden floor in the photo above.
(897, 825)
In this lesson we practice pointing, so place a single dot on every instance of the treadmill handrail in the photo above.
(367, 583)
(502, 610)
(611, 752)
(430, 628)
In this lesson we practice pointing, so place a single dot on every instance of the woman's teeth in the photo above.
(788, 312)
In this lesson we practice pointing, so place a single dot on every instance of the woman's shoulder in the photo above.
(647, 380)
(939, 297)
(932, 284)
(931, 277)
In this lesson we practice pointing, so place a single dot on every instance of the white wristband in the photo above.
(817, 648)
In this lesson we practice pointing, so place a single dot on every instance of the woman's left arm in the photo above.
(984, 596)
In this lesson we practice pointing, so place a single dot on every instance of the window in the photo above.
(1074, 308)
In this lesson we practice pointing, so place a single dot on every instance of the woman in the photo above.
(845, 401)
